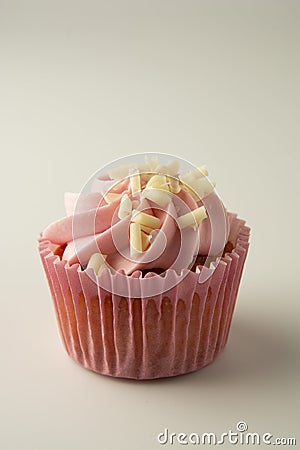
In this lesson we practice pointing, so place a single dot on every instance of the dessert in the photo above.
(144, 269)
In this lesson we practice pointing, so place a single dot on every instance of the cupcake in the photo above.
(144, 269)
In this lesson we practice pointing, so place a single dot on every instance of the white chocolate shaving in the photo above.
(145, 240)
(135, 183)
(125, 207)
(188, 188)
(203, 186)
(158, 182)
(147, 230)
(187, 177)
(192, 218)
(174, 185)
(203, 171)
(172, 167)
(158, 196)
(198, 187)
(111, 197)
(97, 262)
(152, 164)
(146, 220)
(135, 238)
(120, 172)
(193, 174)
(196, 182)
(199, 172)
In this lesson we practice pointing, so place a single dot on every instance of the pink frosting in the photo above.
(92, 226)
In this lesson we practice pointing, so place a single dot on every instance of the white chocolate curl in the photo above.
(97, 263)
(157, 190)
(203, 171)
(198, 187)
(152, 164)
(172, 167)
(174, 185)
(199, 172)
(158, 182)
(110, 197)
(145, 240)
(125, 207)
(158, 196)
(192, 218)
(136, 244)
(146, 230)
(121, 172)
(135, 183)
(187, 188)
(146, 220)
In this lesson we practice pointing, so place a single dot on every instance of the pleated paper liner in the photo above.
(173, 333)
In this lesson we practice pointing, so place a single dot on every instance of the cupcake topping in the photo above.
(125, 207)
(135, 183)
(192, 218)
(97, 262)
(138, 219)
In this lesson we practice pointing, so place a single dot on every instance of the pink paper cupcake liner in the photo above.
(176, 332)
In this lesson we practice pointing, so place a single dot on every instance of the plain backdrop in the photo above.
(82, 83)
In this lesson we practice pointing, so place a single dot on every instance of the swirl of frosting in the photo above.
(145, 221)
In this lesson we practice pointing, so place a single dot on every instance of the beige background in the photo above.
(82, 83)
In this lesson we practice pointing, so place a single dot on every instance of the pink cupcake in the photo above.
(145, 268)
